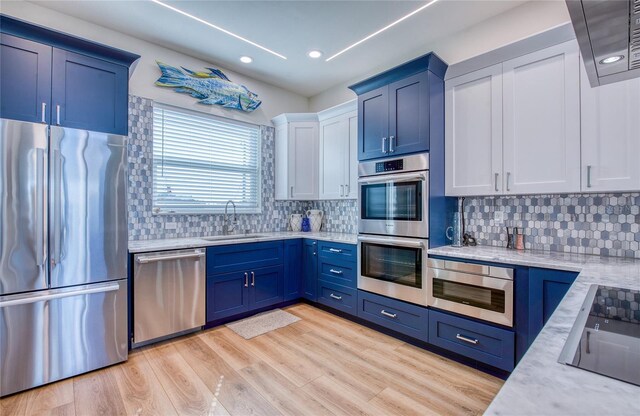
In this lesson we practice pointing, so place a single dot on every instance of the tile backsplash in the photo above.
(340, 216)
(603, 224)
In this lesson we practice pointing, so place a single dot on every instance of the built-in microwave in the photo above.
(480, 291)
(393, 266)
(393, 196)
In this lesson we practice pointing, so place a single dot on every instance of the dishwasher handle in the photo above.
(150, 259)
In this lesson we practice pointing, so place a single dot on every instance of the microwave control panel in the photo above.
(390, 165)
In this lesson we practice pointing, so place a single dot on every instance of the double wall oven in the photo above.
(393, 239)
(393, 227)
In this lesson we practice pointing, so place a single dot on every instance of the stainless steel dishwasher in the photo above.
(169, 290)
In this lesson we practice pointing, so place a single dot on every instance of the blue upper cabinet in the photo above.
(394, 113)
(373, 123)
(51, 77)
(89, 93)
(25, 79)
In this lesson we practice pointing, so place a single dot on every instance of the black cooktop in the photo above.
(605, 338)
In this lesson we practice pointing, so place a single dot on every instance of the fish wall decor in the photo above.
(211, 87)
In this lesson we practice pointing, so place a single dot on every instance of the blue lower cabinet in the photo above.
(546, 290)
(243, 257)
(310, 270)
(398, 316)
(340, 273)
(484, 343)
(266, 287)
(338, 297)
(227, 295)
(292, 269)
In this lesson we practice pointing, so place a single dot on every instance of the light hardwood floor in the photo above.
(321, 365)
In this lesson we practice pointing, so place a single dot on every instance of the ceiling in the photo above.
(291, 28)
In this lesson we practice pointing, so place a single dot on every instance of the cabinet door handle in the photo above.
(495, 181)
(58, 114)
(44, 109)
(341, 190)
(391, 146)
(334, 271)
(246, 280)
(291, 192)
(346, 190)
(335, 250)
(390, 315)
(508, 177)
(465, 339)
(384, 145)
(253, 279)
(335, 297)
(588, 176)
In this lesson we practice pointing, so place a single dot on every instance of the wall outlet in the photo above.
(498, 216)
(170, 226)
(276, 215)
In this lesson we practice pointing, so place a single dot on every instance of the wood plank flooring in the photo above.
(321, 365)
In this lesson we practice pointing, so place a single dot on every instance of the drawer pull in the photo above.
(390, 315)
(335, 250)
(334, 271)
(335, 297)
(465, 339)
(246, 280)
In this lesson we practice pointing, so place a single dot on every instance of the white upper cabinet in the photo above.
(338, 159)
(610, 136)
(473, 120)
(296, 156)
(541, 121)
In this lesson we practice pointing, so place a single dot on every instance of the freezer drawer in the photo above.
(169, 290)
(54, 334)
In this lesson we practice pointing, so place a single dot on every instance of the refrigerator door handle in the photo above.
(56, 208)
(23, 300)
(40, 199)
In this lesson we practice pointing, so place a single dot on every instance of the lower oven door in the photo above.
(483, 297)
(393, 267)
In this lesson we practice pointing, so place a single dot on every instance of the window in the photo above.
(201, 161)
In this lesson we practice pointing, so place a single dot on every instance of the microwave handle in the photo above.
(398, 177)
(394, 241)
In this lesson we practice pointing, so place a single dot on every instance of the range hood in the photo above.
(608, 32)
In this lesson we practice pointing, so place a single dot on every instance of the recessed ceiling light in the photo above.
(390, 25)
(204, 22)
(246, 59)
(314, 54)
(611, 59)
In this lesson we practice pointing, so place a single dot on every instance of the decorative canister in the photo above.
(306, 227)
(315, 218)
(295, 222)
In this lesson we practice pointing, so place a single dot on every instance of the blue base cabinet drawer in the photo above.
(399, 316)
(342, 274)
(243, 257)
(487, 344)
(338, 297)
(337, 251)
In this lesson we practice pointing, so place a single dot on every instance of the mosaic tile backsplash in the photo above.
(340, 216)
(602, 224)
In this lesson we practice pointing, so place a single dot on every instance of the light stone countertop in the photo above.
(540, 385)
(142, 246)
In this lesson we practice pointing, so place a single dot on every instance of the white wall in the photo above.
(517, 23)
(275, 100)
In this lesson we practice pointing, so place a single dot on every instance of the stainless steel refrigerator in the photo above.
(63, 253)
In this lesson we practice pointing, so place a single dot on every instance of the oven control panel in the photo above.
(390, 165)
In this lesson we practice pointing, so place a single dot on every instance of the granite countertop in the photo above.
(142, 246)
(539, 384)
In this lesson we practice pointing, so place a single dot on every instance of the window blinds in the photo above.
(200, 162)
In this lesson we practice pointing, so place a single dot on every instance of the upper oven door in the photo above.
(394, 267)
(395, 204)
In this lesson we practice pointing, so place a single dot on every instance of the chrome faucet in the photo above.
(229, 227)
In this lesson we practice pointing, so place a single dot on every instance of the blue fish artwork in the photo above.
(211, 87)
